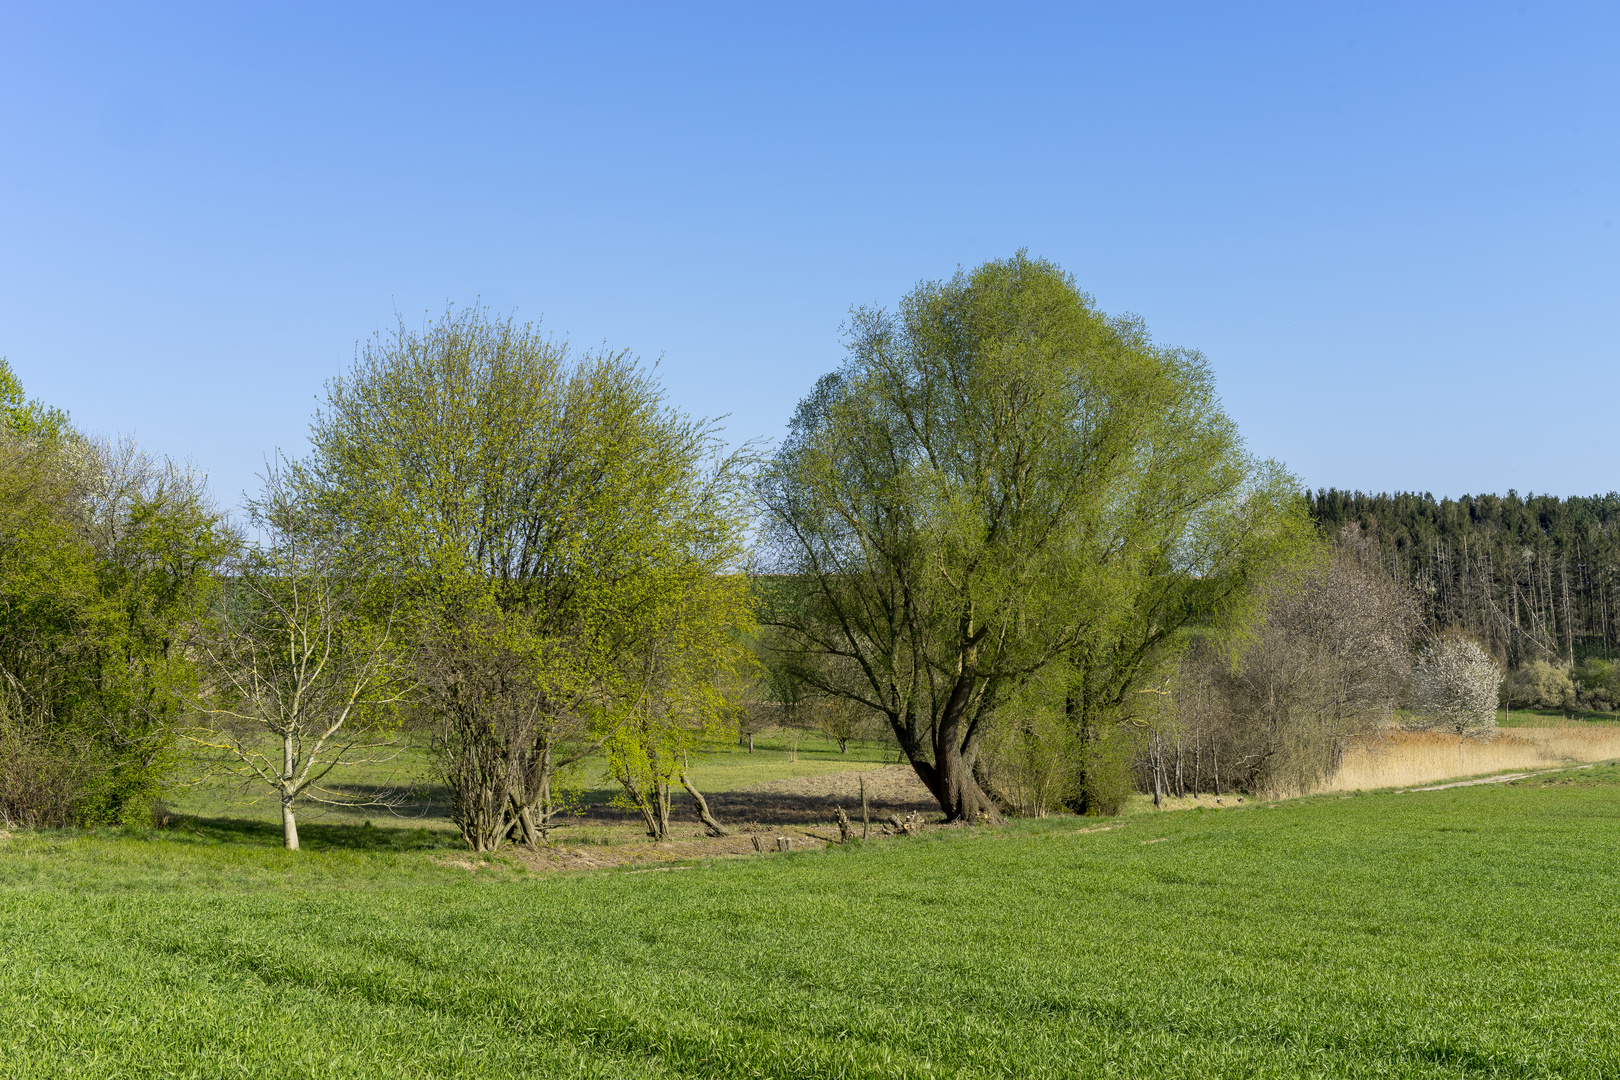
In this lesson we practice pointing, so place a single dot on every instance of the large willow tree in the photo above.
(568, 549)
(1000, 479)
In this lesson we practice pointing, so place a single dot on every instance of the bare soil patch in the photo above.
(890, 789)
(808, 800)
(799, 811)
(648, 855)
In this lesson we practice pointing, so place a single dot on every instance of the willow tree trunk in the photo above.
(950, 778)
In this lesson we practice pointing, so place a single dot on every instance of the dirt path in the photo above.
(1494, 779)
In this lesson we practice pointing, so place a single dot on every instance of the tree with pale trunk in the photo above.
(301, 676)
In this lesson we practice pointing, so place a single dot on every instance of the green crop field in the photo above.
(1464, 932)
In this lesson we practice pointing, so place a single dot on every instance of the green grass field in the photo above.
(1553, 717)
(1467, 932)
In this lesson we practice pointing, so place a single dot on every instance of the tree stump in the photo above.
(844, 828)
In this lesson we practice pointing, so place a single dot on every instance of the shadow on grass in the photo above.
(317, 837)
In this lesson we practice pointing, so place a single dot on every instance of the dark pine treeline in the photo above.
(1534, 577)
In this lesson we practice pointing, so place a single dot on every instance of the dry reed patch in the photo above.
(1408, 758)
(1143, 804)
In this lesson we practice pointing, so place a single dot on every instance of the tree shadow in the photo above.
(314, 836)
(754, 807)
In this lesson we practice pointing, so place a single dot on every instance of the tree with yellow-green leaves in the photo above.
(1001, 482)
(567, 550)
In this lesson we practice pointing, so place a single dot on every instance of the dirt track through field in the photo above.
(1495, 779)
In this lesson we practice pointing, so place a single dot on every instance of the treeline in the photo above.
(1536, 578)
(1008, 530)
(515, 554)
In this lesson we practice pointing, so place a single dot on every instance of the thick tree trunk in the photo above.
(959, 794)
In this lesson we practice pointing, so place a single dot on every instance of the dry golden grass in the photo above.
(1404, 758)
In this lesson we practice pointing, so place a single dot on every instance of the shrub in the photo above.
(44, 777)
(1106, 775)
(1030, 761)
(1597, 685)
(1539, 685)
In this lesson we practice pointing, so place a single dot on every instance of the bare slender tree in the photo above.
(300, 675)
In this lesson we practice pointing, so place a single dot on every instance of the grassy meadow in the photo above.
(216, 793)
(1465, 932)
(1553, 717)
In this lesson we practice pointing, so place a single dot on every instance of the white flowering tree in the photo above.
(1454, 686)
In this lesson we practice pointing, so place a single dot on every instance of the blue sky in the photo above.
(1391, 229)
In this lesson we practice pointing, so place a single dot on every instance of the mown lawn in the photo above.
(1466, 932)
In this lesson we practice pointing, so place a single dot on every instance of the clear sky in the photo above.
(1391, 228)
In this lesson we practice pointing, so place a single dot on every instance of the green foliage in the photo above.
(1032, 758)
(567, 548)
(999, 479)
(105, 556)
(1540, 685)
(23, 417)
(1597, 684)
(1301, 941)
(1106, 780)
